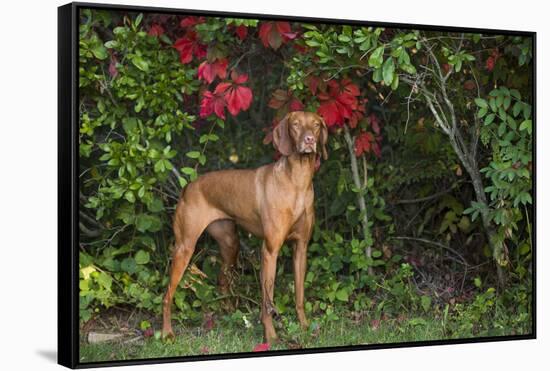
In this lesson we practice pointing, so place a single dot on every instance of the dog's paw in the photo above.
(168, 336)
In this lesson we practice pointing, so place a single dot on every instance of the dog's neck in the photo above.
(300, 168)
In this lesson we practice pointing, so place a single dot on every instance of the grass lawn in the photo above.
(233, 337)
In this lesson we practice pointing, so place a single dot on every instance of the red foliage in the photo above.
(314, 83)
(469, 85)
(209, 71)
(113, 72)
(363, 143)
(285, 101)
(238, 97)
(261, 347)
(189, 46)
(241, 31)
(367, 142)
(156, 30)
(492, 60)
(490, 63)
(191, 21)
(231, 94)
(374, 122)
(339, 102)
(212, 103)
(275, 34)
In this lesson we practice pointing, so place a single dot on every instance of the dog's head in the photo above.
(301, 132)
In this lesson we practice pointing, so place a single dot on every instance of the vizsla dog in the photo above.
(273, 202)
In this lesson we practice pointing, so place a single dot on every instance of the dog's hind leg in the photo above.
(188, 226)
(225, 234)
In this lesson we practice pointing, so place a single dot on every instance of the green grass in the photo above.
(233, 336)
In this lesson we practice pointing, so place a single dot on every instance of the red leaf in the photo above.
(469, 85)
(212, 103)
(191, 21)
(241, 31)
(261, 347)
(313, 83)
(363, 143)
(112, 66)
(374, 123)
(285, 101)
(189, 46)
(208, 323)
(339, 103)
(238, 98)
(490, 63)
(330, 113)
(227, 94)
(295, 105)
(375, 324)
(222, 88)
(239, 79)
(274, 34)
(209, 71)
(300, 48)
(156, 30)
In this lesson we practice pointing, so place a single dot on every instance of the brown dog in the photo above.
(273, 202)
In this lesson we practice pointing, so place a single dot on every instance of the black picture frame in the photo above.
(68, 205)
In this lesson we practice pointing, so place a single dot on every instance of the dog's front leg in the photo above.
(300, 259)
(270, 251)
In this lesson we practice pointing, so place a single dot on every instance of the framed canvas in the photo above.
(241, 185)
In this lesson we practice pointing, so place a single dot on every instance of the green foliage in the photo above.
(507, 130)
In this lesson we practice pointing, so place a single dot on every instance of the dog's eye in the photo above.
(317, 124)
(295, 123)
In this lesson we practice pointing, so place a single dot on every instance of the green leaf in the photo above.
(507, 102)
(526, 125)
(344, 38)
(138, 19)
(388, 71)
(159, 166)
(111, 44)
(99, 51)
(426, 302)
(105, 280)
(376, 254)
(129, 196)
(482, 112)
(142, 257)
(376, 58)
(477, 282)
(481, 103)
(342, 295)
(128, 265)
(193, 154)
(140, 63)
(489, 119)
(182, 181)
(517, 108)
(144, 325)
(395, 82)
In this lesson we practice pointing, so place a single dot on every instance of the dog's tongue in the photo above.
(317, 162)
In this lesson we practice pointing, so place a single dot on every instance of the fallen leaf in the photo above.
(261, 347)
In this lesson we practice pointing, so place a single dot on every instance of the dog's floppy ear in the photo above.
(281, 138)
(323, 138)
